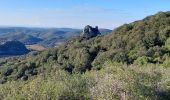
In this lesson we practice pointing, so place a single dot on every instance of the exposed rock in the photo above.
(24, 78)
(90, 32)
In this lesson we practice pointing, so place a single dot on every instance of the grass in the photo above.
(36, 47)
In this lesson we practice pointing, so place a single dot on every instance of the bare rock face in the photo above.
(90, 32)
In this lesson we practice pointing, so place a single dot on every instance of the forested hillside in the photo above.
(131, 62)
(12, 48)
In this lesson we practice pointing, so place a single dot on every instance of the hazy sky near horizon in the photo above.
(77, 13)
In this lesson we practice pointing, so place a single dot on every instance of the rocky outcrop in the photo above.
(13, 48)
(90, 32)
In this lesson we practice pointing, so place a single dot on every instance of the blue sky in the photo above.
(77, 13)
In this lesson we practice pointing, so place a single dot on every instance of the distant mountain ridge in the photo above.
(24, 38)
(47, 37)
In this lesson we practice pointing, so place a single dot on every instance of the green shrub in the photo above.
(141, 60)
(167, 44)
(166, 63)
(113, 82)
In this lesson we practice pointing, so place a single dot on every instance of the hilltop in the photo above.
(12, 48)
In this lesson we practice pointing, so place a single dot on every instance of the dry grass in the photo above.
(36, 47)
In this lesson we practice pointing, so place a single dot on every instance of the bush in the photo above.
(141, 60)
(114, 81)
(166, 63)
(167, 44)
